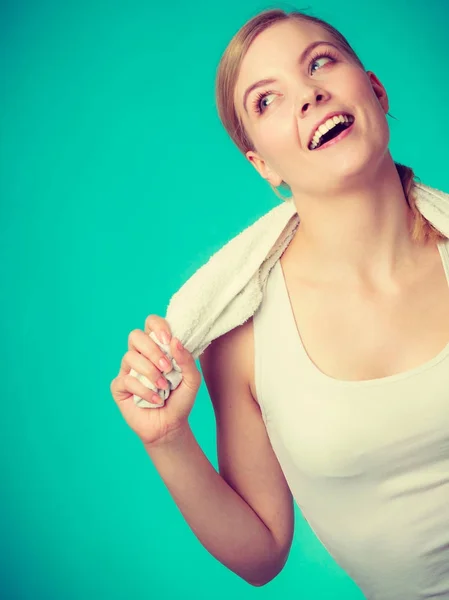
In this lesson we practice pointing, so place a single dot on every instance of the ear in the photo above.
(263, 168)
(379, 90)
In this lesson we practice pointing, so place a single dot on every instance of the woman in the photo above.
(351, 419)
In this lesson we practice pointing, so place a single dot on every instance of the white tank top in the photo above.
(367, 461)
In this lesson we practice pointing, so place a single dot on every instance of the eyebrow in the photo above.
(303, 56)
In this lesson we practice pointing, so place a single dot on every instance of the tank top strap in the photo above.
(443, 247)
(275, 348)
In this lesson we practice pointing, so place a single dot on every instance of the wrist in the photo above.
(171, 440)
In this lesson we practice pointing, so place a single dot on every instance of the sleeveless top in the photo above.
(367, 461)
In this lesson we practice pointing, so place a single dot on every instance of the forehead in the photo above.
(276, 47)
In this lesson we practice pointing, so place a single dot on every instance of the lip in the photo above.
(323, 120)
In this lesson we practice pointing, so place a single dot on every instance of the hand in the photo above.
(154, 426)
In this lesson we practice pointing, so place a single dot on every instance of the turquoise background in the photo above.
(117, 181)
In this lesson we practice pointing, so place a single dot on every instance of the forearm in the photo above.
(222, 521)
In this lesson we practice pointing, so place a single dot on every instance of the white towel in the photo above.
(227, 290)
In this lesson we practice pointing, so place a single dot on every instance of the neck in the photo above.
(357, 235)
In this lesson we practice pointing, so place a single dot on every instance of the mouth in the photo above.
(335, 135)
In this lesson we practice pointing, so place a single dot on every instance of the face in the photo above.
(280, 117)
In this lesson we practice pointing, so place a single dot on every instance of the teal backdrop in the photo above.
(117, 181)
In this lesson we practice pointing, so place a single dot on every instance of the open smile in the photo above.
(336, 139)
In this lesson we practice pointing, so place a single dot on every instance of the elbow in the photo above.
(265, 577)
(268, 574)
(256, 584)
(275, 561)
(261, 583)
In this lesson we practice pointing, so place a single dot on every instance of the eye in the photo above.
(315, 58)
(322, 54)
(257, 101)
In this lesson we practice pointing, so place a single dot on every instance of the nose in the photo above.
(310, 98)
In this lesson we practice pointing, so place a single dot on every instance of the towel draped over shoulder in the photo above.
(227, 290)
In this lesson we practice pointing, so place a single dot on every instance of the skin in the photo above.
(354, 217)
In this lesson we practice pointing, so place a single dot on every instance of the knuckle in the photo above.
(133, 334)
(127, 358)
(130, 381)
(148, 322)
(151, 350)
(152, 322)
(147, 368)
(150, 370)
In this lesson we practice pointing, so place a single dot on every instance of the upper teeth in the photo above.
(325, 127)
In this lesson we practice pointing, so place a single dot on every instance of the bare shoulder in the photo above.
(234, 352)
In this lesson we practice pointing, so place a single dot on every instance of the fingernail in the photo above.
(164, 364)
(161, 382)
(164, 337)
(179, 346)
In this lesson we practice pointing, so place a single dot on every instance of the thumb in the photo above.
(191, 376)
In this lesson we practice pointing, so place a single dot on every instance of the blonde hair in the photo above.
(226, 78)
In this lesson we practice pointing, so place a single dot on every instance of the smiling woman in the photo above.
(359, 305)
(335, 392)
(320, 54)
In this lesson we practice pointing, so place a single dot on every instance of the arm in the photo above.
(242, 515)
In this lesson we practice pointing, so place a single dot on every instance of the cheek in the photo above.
(267, 139)
(368, 96)
(278, 129)
(354, 87)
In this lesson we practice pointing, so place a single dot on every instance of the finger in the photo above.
(140, 342)
(118, 391)
(160, 327)
(143, 366)
(186, 362)
(127, 385)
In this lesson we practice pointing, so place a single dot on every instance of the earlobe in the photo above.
(263, 169)
(274, 179)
